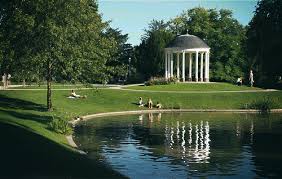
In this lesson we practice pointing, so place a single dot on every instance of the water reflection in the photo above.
(189, 151)
(184, 146)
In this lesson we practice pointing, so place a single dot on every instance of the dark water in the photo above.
(186, 145)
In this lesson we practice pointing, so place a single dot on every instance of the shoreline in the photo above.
(119, 113)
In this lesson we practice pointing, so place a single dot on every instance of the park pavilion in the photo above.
(189, 50)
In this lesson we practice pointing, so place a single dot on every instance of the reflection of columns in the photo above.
(207, 138)
(183, 138)
(201, 69)
(177, 130)
(190, 134)
(190, 66)
(196, 67)
(168, 65)
(196, 141)
(166, 74)
(183, 66)
(178, 67)
(201, 136)
(171, 137)
(171, 65)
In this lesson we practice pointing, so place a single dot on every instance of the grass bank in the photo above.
(195, 87)
(31, 137)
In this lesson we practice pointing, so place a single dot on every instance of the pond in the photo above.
(186, 145)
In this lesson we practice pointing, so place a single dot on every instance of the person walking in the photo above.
(251, 78)
(4, 81)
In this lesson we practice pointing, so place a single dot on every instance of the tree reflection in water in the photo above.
(185, 145)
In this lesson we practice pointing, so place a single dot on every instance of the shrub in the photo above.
(60, 124)
(160, 81)
(263, 105)
(172, 106)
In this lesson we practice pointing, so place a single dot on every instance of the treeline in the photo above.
(235, 49)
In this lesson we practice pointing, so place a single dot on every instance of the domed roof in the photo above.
(187, 41)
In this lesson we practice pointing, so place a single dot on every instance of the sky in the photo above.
(133, 16)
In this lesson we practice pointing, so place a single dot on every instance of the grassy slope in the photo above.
(115, 100)
(26, 109)
(31, 149)
(26, 154)
(194, 87)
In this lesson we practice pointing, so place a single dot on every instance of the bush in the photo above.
(172, 106)
(263, 105)
(160, 81)
(60, 124)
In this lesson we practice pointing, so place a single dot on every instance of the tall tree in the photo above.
(150, 55)
(264, 41)
(56, 37)
(121, 57)
(224, 34)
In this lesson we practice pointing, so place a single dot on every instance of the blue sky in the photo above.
(133, 16)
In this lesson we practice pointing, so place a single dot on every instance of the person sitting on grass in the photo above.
(140, 102)
(74, 95)
(158, 105)
(239, 81)
(150, 103)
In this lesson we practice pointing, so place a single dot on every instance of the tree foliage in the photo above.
(54, 38)
(224, 34)
(264, 41)
(119, 63)
(150, 53)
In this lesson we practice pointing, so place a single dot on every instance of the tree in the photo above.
(150, 53)
(55, 38)
(264, 44)
(121, 57)
(224, 34)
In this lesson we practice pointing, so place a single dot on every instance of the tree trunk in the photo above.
(49, 93)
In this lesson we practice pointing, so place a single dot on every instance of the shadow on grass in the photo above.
(14, 103)
(27, 116)
(26, 154)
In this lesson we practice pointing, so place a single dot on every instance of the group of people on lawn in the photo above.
(149, 103)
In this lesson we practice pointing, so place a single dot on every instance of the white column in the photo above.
(178, 76)
(197, 66)
(190, 66)
(171, 65)
(183, 66)
(206, 66)
(201, 70)
(166, 65)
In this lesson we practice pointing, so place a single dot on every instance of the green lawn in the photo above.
(58, 86)
(194, 87)
(27, 110)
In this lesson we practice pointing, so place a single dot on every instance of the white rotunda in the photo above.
(188, 50)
